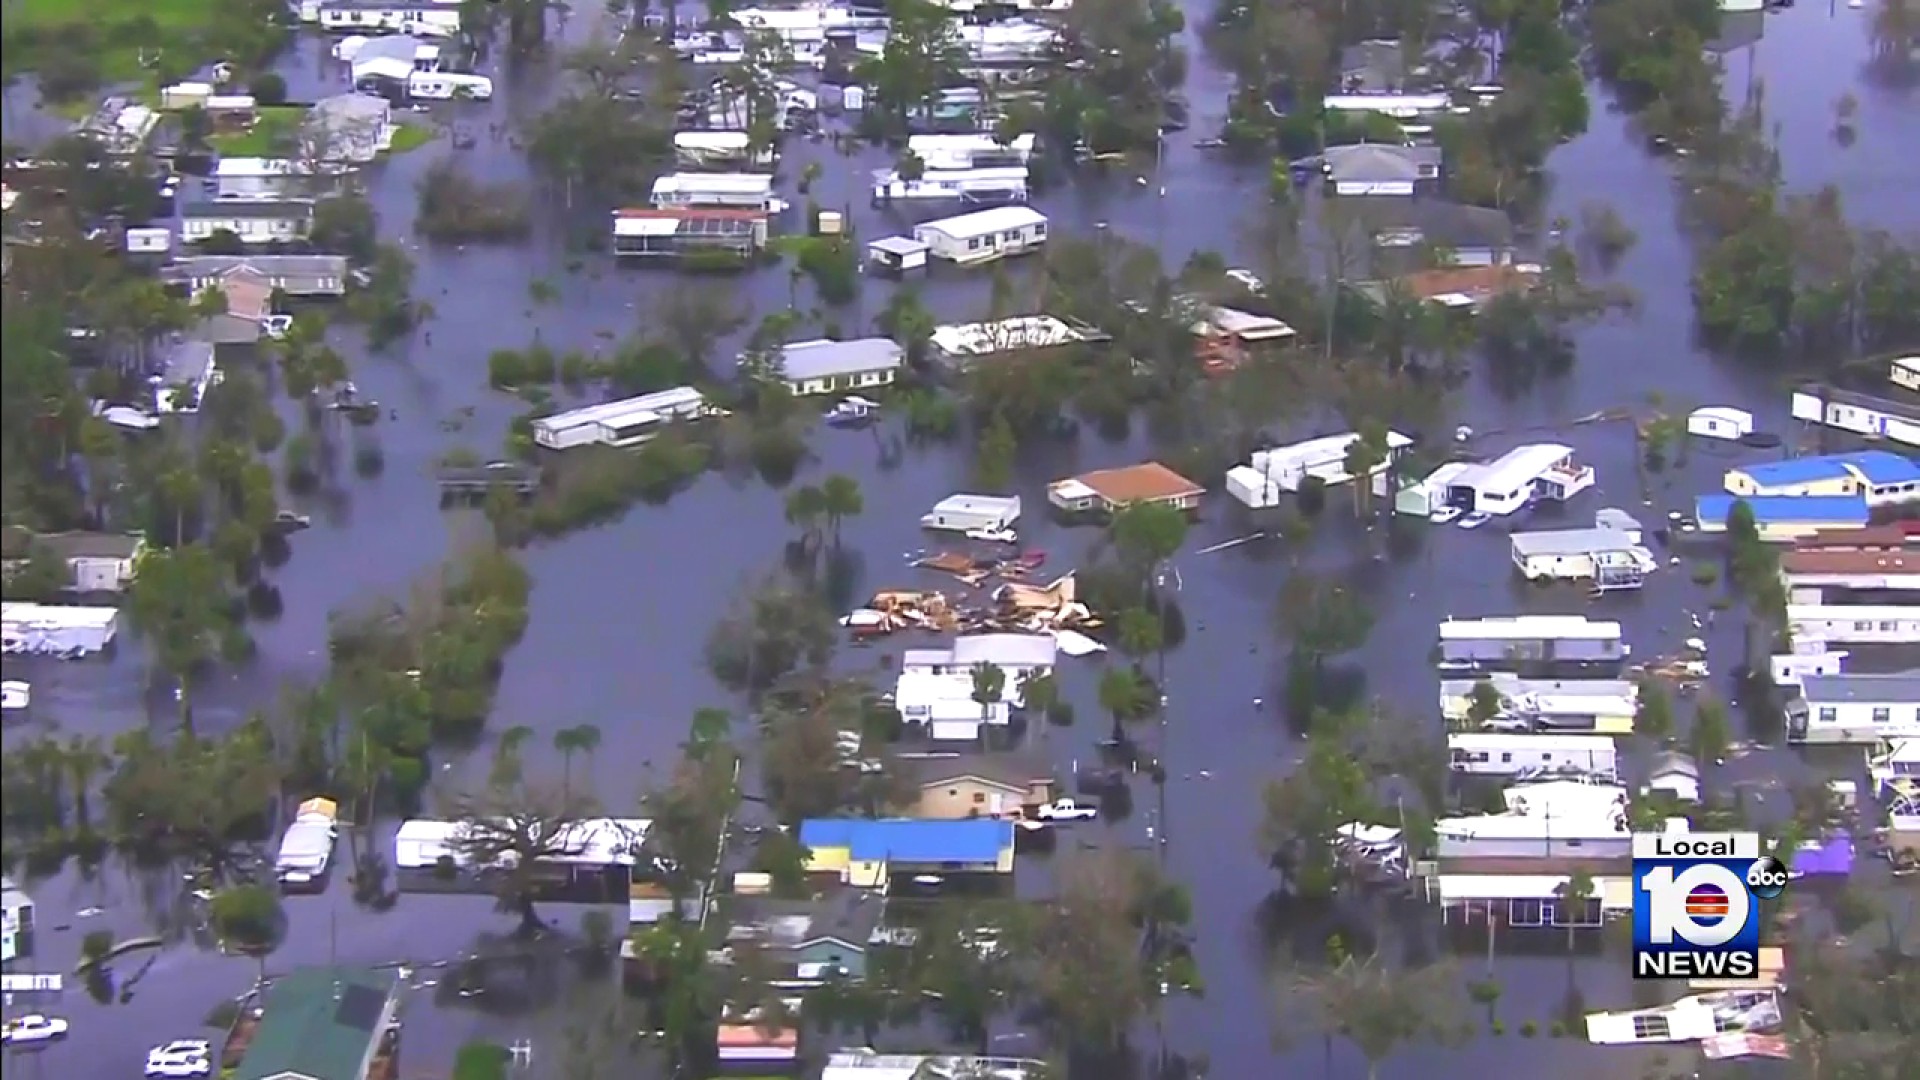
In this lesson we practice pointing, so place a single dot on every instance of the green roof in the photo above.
(317, 1024)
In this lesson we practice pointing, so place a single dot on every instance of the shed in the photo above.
(1720, 422)
(965, 513)
(898, 255)
(984, 235)
(149, 241)
(1677, 775)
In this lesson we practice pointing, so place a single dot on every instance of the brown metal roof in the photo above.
(1863, 563)
(1148, 481)
(1900, 535)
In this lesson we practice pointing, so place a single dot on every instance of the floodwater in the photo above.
(620, 612)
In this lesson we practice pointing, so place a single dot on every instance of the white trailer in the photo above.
(970, 151)
(1487, 754)
(627, 422)
(968, 513)
(752, 191)
(448, 85)
(984, 235)
(699, 150)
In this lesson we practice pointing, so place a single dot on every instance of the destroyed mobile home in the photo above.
(1013, 604)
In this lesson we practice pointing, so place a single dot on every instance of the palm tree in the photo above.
(1040, 694)
(86, 755)
(506, 753)
(1125, 696)
(840, 499)
(989, 685)
(805, 507)
(1574, 893)
(578, 739)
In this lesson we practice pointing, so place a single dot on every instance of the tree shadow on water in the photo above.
(511, 976)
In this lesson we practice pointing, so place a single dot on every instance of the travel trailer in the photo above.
(448, 85)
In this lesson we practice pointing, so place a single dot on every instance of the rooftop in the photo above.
(1144, 482)
(73, 545)
(1901, 688)
(1397, 222)
(1380, 163)
(1527, 545)
(911, 840)
(1869, 402)
(898, 245)
(844, 914)
(229, 209)
(1008, 770)
(1010, 650)
(984, 222)
(1785, 509)
(317, 1022)
(1512, 469)
(1900, 535)
(1017, 334)
(1862, 563)
(1527, 627)
(1876, 467)
(191, 267)
(1464, 286)
(803, 361)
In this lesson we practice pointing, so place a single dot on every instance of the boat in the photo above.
(852, 411)
(286, 521)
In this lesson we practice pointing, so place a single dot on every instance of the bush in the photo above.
(481, 1061)
(1705, 573)
(268, 88)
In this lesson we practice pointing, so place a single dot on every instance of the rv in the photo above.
(448, 85)
(307, 846)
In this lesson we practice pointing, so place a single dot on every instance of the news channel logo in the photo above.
(1695, 904)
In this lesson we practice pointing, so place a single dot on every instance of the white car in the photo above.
(1445, 514)
(33, 1028)
(1067, 810)
(181, 1058)
(1475, 519)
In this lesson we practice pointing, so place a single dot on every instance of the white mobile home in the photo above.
(56, 629)
(1284, 469)
(1488, 754)
(1860, 414)
(1505, 643)
(1905, 371)
(1602, 706)
(824, 367)
(752, 191)
(1720, 422)
(966, 513)
(448, 86)
(1523, 475)
(253, 221)
(1890, 624)
(403, 16)
(984, 235)
(1608, 558)
(1401, 106)
(1006, 184)
(1577, 833)
(626, 422)
(718, 150)
(943, 152)
(1856, 708)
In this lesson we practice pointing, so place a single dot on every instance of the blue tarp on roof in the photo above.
(975, 840)
(1876, 467)
(1844, 510)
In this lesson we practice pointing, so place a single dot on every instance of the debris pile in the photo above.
(974, 572)
(1012, 607)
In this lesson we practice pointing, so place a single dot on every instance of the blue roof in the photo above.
(1848, 510)
(974, 840)
(1876, 467)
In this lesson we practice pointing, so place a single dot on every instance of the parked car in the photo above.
(32, 1028)
(181, 1058)
(1445, 514)
(1475, 519)
(1067, 810)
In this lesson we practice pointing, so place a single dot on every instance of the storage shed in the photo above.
(964, 513)
(984, 235)
(898, 255)
(1720, 422)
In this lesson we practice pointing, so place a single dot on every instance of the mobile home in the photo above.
(942, 152)
(1516, 642)
(448, 85)
(984, 186)
(700, 151)
(1489, 754)
(742, 191)
(967, 513)
(1889, 624)
(627, 422)
(404, 16)
(678, 231)
(984, 235)
(1860, 414)
(1519, 478)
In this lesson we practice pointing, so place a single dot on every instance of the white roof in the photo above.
(1009, 650)
(70, 616)
(308, 842)
(937, 151)
(1515, 468)
(1907, 363)
(253, 166)
(983, 222)
(1004, 335)
(865, 1065)
(624, 411)
(1725, 412)
(1325, 450)
(1509, 887)
(898, 245)
(711, 140)
(1565, 798)
(717, 183)
(1852, 612)
(1483, 740)
(983, 504)
(1244, 325)
(1518, 826)
(1528, 627)
(802, 361)
(1510, 686)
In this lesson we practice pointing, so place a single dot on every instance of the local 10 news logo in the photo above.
(1695, 904)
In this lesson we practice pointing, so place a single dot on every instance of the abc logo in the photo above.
(1706, 905)
(1767, 877)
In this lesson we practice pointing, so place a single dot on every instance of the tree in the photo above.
(1086, 946)
(772, 629)
(989, 687)
(1147, 535)
(481, 1061)
(993, 458)
(506, 827)
(1653, 715)
(922, 51)
(1324, 618)
(179, 601)
(1139, 634)
(1366, 453)
(1484, 704)
(689, 812)
(249, 919)
(1126, 696)
(840, 499)
(578, 739)
(192, 797)
(806, 505)
(596, 139)
(1575, 892)
(1712, 731)
(1377, 1008)
(1303, 810)
(802, 766)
